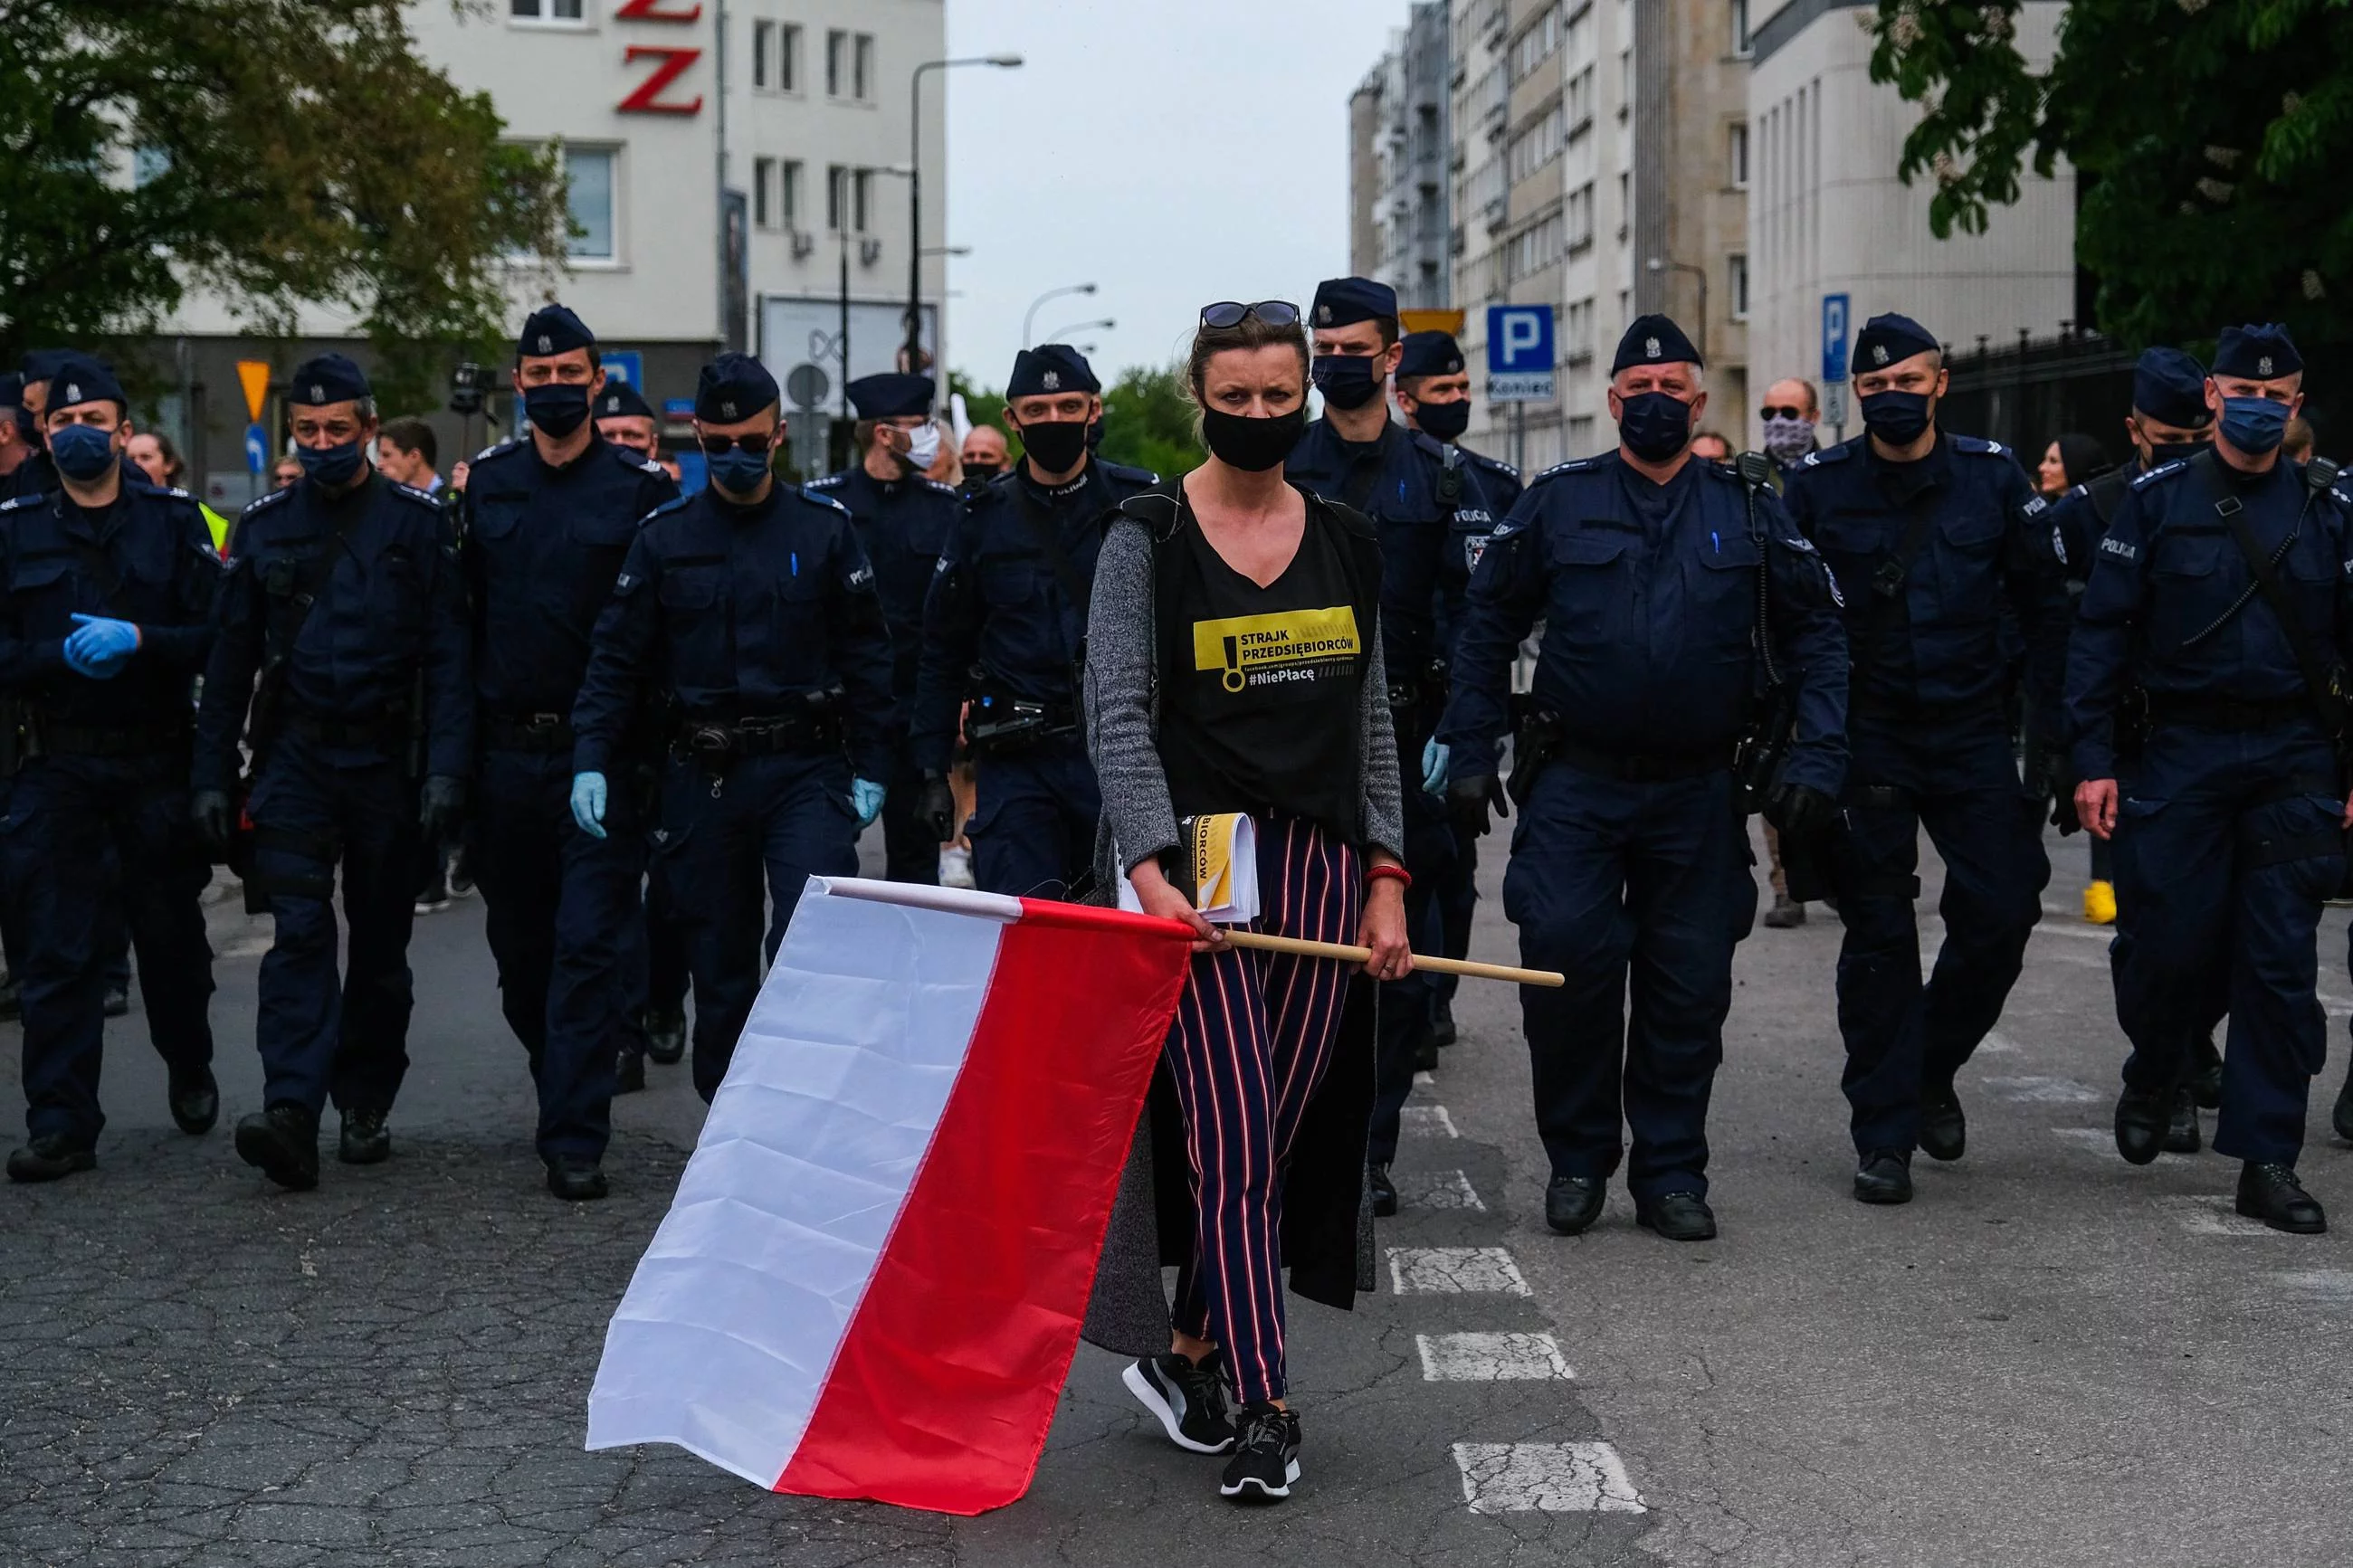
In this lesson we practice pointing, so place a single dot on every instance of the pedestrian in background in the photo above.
(407, 453)
(1710, 447)
(1787, 417)
(2070, 459)
(2295, 445)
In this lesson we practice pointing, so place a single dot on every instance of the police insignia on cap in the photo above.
(1323, 314)
(727, 409)
(1879, 354)
(546, 344)
(73, 393)
(1650, 348)
(318, 392)
(1052, 380)
(2263, 367)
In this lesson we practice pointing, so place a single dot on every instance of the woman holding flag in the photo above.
(1234, 666)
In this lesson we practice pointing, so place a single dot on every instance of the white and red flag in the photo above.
(871, 1282)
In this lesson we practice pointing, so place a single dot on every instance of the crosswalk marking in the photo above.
(1438, 1190)
(1997, 1043)
(1455, 1271)
(1422, 1079)
(2204, 1214)
(2097, 1138)
(2321, 1287)
(1491, 1358)
(1430, 1121)
(1546, 1477)
(2039, 1091)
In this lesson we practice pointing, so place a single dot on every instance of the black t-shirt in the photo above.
(1264, 687)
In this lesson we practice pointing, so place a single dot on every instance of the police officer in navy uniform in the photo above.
(2170, 421)
(38, 474)
(547, 522)
(345, 597)
(625, 419)
(1932, 535)
(106, 617)
(1631, 853)
(1434, 392)
(2222, 595)
(748, 610)
(1005, 630)
(903, 521)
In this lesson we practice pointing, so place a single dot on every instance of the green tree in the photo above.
(2207, 135)
(275, 153)
(1147, 419)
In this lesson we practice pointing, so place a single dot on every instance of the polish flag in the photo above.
(871, 1282)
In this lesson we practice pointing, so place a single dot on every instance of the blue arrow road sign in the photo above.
(1519, 358)
(257, 448)
(1834, 318)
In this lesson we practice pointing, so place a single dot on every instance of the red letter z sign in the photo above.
(647, 99)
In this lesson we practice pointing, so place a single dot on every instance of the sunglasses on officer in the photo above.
(756, 443)
(1229, 313)
(1790, 412)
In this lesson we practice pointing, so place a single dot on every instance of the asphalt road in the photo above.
(2048, 1358)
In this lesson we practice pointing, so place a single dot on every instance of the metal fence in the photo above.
(2034, 389)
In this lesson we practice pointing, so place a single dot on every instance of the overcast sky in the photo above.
(1173, 151)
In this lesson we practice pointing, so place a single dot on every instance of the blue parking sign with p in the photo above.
(1520, 357)
(1835, 310)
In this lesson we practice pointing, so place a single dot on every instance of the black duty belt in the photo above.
(716, 741)
(544, 732)
(1633, 767)
(387, 730)
(997, 723)
(126, 740)
(2228, 714)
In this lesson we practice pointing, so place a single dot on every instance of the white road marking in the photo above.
(1430, 1121)
(1455, 1271)
(1420, 1078)
(2039, 1091)
(1997, 1043)
(1546, 1477)
(1491, 1358)
(1438, 1190)
(2321, 1287)
(2095, 1138)
(2206, 1214)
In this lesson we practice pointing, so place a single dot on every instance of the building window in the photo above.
(1741, 42)
(764, 46)
(861, 186)
(1738, 266)
(837, 196)
(1737, 142)
(1538, 43)
(589, 185)
(789, 58)
(788, 194)
(764, 192)
(837, 62)
(572, 11)
(861, 86)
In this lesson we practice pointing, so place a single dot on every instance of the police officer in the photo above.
(1475, 492)
(108, 617)
(345, 597)
(2222, 593)
(625, 419)
(1646, 566)
(903, 521)
(1356, 454)
(1932, 535)
(2170, 421)
(17, 441)
(1005, 627)
(37, 475)
(547, 522)
(749, 610)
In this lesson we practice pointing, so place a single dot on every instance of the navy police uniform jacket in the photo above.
(1483, 492)
(1936, 642)
(1648, 597)
(904, 525)
(390, 607)
(742, 611)
(996, 603)
(147, 559)
(542, 547)
(2159, 612)
(1393, 481)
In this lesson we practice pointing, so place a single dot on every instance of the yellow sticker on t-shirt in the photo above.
(1286, 644)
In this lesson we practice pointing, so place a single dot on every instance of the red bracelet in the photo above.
(1397, 873)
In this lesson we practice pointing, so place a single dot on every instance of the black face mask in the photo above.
(1898, 418)
(1446, 421)
(1055, 444)
(1347, 381)
(984, 472)
(1250, 445)
(557, 407)
(2163, 452)
(1654, 426)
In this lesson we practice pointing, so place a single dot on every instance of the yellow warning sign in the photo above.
(1284, 645)
(253, 374)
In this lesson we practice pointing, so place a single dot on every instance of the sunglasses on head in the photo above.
(1233, 313)
(1769, 411)
(757, 443)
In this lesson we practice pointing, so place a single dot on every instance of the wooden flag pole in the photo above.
(1237, 936)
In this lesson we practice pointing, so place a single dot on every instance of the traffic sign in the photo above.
(1834, 403)
(257, 448)
(1835, 311)
(806, 384)
(624, 364)
(1519, 358)
(253, 374)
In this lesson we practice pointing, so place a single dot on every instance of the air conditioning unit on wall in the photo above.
(803, 243)
(869, 251)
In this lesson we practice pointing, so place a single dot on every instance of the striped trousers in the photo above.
(1253, 1037)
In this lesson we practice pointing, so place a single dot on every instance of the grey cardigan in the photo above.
(1122, 709)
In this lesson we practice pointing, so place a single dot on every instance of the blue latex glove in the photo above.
(588, 802)
(99, 645)
(1434, 759)
(866, 798)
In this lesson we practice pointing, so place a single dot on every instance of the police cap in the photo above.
(1429, 354)
(619, 400)
(2257, 353)
(12, 395)
(1888, 338)
(80, 379)
(39, 364)
(2171, 385)
(733, 387)
(891, 396)
(1341, 301)
(329, 378)
(1654, 340)
(1051, 367)
(554, 330)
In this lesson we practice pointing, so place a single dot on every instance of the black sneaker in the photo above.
(1266, 1456)
(1188, 1400)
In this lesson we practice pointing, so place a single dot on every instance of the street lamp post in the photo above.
(1064, 334)
(1030, 316)
(842, 230)
(916, 188)
(1656, 264)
